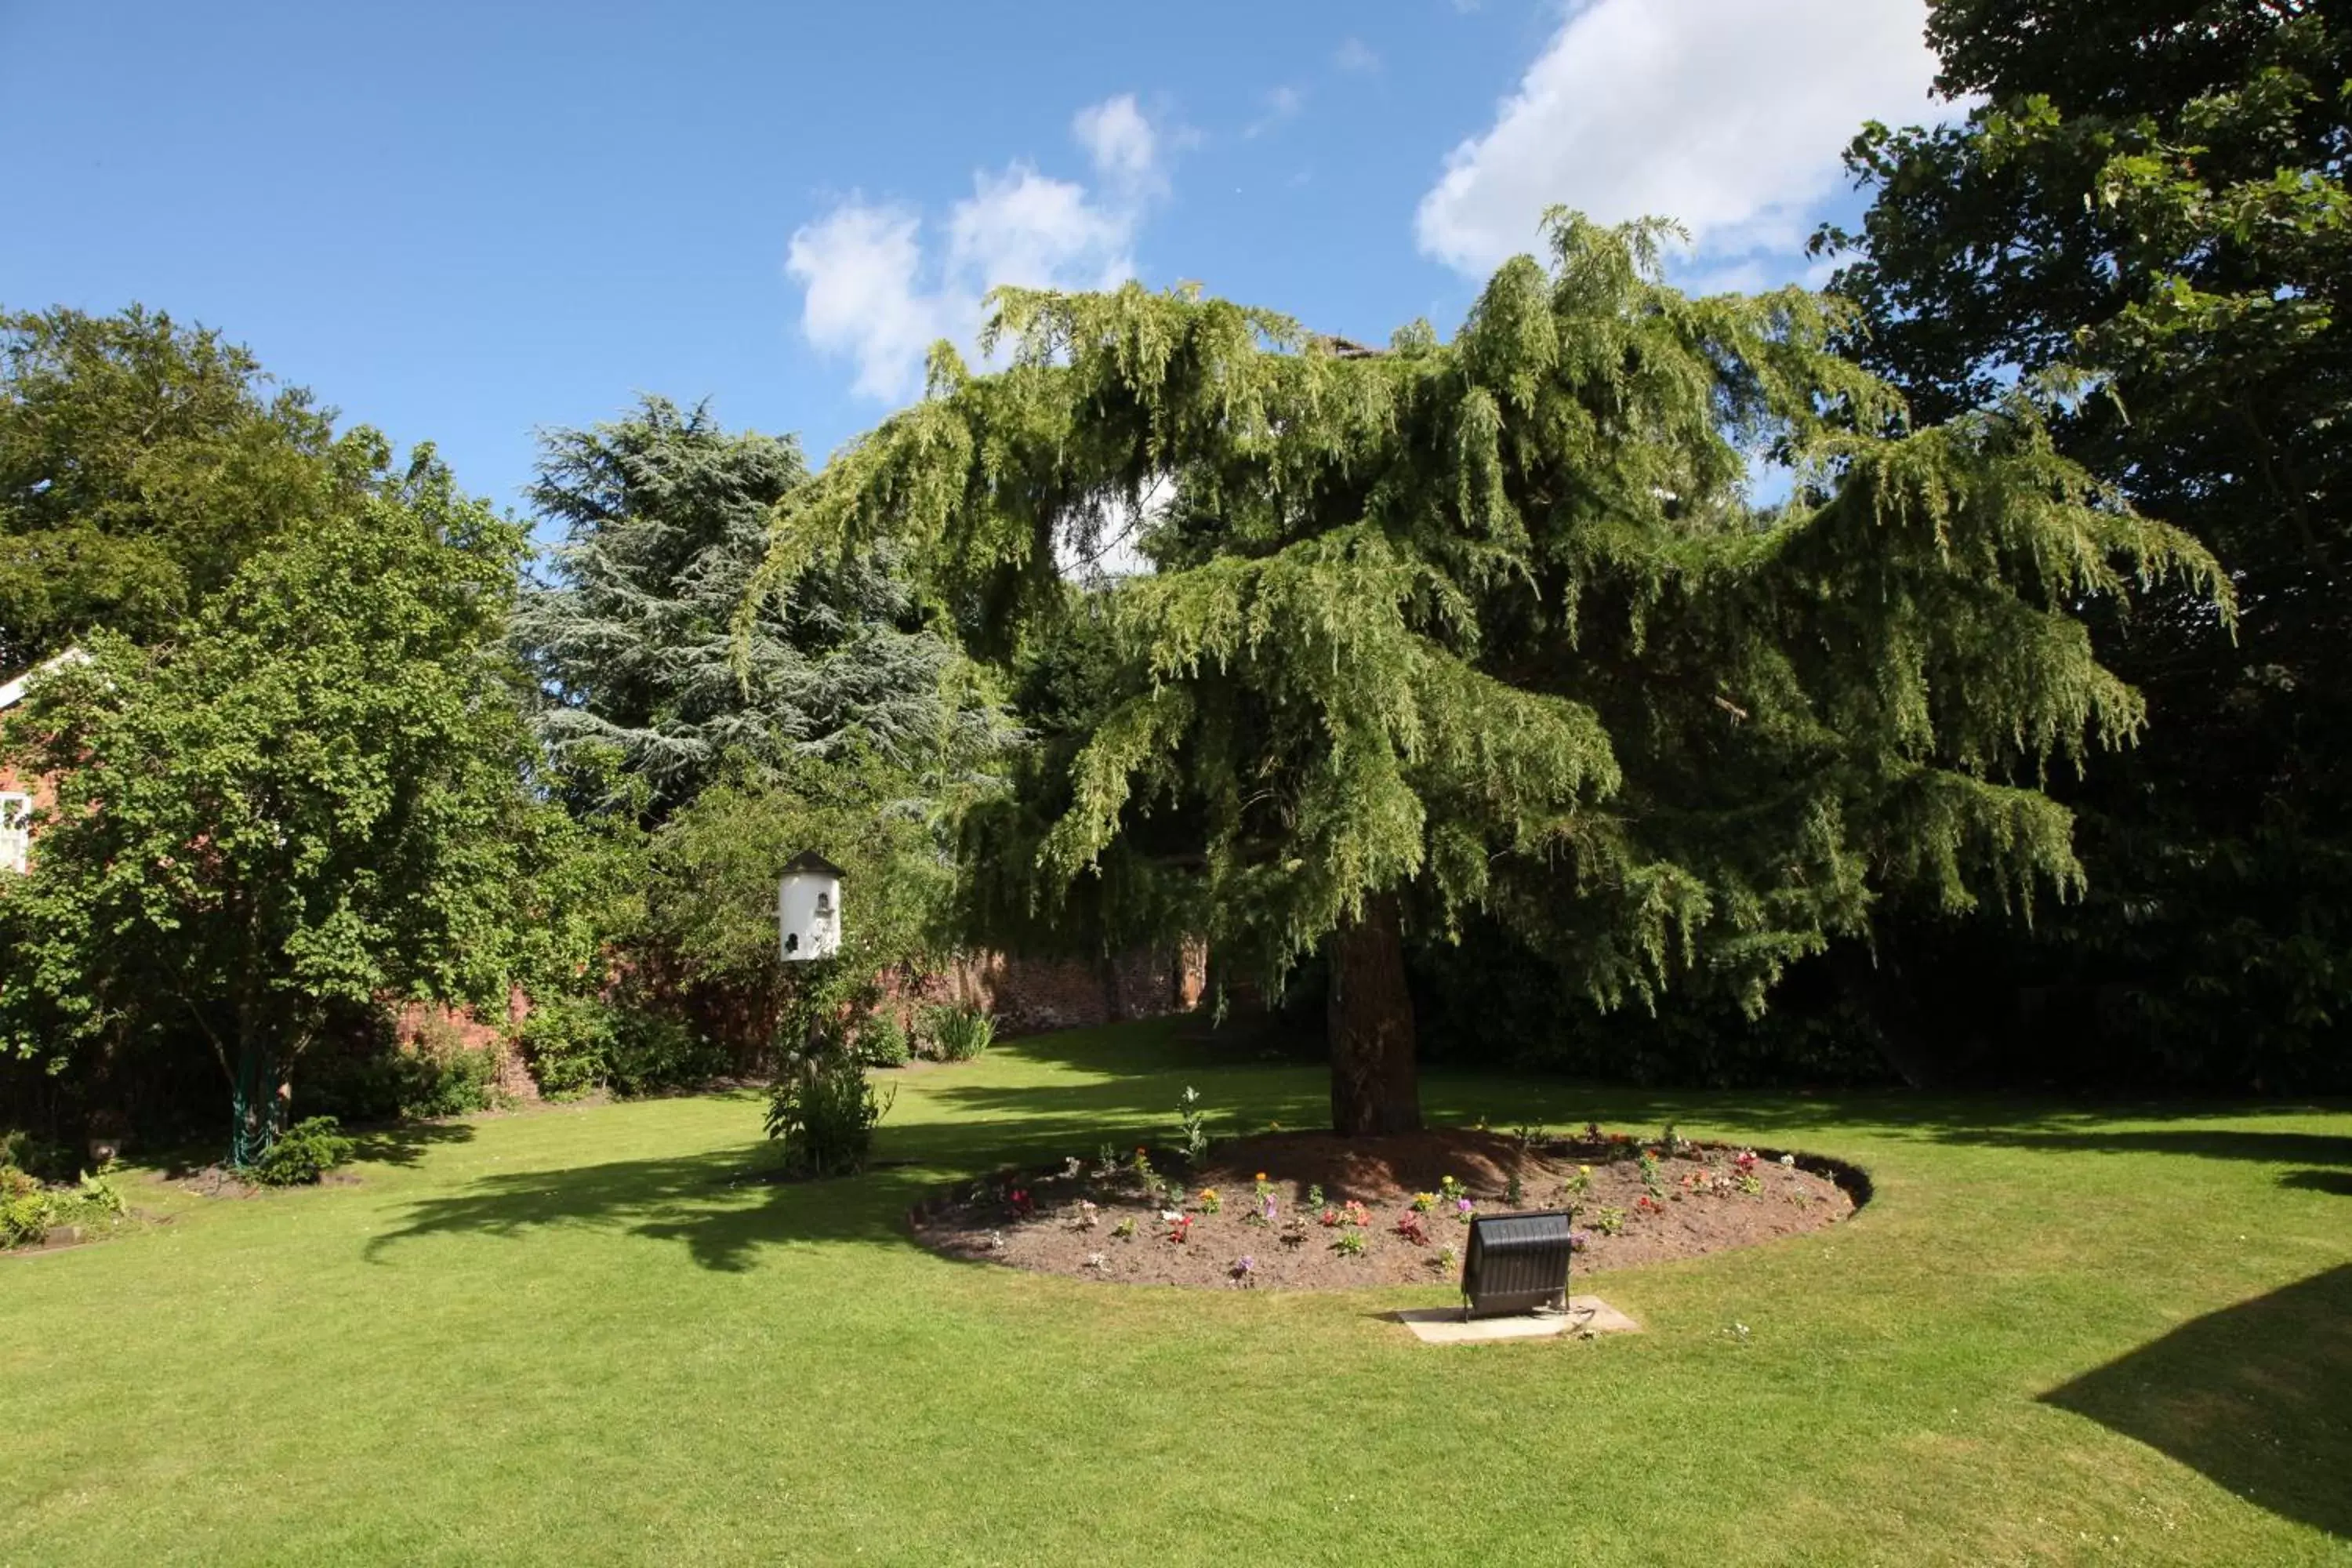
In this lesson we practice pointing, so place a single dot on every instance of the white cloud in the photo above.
(858, 266)
(1021, 228)
(1355, 54)
(1122, 143)
(1282, 103)
(1728, 115)
(874, 292)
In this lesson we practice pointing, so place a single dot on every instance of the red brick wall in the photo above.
(1032, 995)
(43, 790)
(416, 1023)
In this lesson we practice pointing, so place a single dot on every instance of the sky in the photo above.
(467, 222)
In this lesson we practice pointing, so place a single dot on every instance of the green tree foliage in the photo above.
(141, 462)
(309, 798)
(1489, 624)
(2153, 192)
(711, 893)
(666, 518)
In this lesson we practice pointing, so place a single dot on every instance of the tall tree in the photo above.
(1490, 622)
(311, 796)
(666, 518)
(2153, 192)
(140, 463)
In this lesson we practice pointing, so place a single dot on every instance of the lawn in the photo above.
(2055, 1336)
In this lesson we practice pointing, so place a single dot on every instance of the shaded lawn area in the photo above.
(592, 1335)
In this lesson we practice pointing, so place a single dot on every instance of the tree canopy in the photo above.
(311, 797)
(2152, 193)
(1494, 623)
(140, 463)
(666, 518)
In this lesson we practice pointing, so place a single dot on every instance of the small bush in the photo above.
(568, 1044)
(882, 1042)
(34, 1156)
(959, 1034)
(27, 1212)
(444, 1076)
(303, 1153)
(463, 1082)
(652, 1052)
(826, 1118)
(99, 1197)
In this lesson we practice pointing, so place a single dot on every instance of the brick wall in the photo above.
(414, 1024)
(43, 790)
(1032, 995)
(1026, 995)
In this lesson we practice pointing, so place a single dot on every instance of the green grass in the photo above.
(2054, 1337)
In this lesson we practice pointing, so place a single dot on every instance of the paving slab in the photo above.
(1585, 1315)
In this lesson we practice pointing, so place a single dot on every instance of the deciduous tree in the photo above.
(2152, 192)
(140, 463)
(311, 797)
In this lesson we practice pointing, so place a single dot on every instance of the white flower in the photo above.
(1789, 1161)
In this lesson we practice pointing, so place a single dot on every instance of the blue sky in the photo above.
(465, 222)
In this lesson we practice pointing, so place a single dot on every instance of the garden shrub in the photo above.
(27, 1211)
(99, 1197)
(464, 1080)
(958, 1034)
(303, 1153)
(22, 1152)
(653, 1051)
(444, 1076)
(825, 1116)
(568, 1044)
(882, 1042)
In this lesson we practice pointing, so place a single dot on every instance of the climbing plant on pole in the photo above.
(1493, 622)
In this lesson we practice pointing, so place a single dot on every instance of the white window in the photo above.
(15, 824)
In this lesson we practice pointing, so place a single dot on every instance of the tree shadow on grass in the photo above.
(724, 1206)
(1135, 1069)
(727, 1205)
(2253, 1396)
(406, 1143)
(399, 1143)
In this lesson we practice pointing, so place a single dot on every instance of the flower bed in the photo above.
(1312, 1211)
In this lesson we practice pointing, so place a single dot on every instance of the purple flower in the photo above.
(1578, 1240)
(1463, 1205)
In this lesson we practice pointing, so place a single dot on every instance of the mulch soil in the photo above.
(1120, 1224)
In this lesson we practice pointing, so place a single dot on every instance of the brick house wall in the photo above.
(19, 795)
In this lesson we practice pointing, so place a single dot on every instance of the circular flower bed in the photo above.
(1313, 1211)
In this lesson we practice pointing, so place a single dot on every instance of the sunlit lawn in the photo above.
(563, 1337)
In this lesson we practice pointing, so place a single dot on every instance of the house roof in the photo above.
(13, 691)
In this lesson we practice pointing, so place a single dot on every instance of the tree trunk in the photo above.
(1375, 1085)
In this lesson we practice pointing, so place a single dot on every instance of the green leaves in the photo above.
(1493, 622)
(310, 799)
(140, 463)
(2153, 216)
